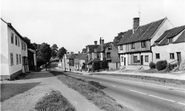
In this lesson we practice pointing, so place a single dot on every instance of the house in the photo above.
(111, 53)
(14, 55)
(170, 46)
(80, 61)
(134, 47)
(32, 60)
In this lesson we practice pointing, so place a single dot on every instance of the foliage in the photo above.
(61, 52)
(182, 65)
(54, 101)
(152, 65)
(28, 42)
(160, 65)
(43, 54)
(54, 50)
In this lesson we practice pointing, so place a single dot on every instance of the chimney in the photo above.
(135, 23)
(95, 42)
(100, 40)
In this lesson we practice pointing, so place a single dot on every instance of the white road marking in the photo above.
(181, 103)
(161, 98)
(137, 92)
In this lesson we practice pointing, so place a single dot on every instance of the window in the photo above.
(15, 40)
(143, 44)
(20, 58)
(17, 59)
(146, 58)
(11, 59)
(108, 54)
(121, 59)
(133, 46)
(12, 38)
(172, 56)
(170, 40)
(121, 47)
(135, 59)
(110, 47)
(157, 56)
(22, 45)
(18, 41)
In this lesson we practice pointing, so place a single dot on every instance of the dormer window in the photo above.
(170, 40)
(110, 47)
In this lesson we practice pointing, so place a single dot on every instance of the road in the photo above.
(140, 96)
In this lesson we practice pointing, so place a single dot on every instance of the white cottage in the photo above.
(170, 46)
(13, 51)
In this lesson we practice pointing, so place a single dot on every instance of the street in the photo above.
(140, 96)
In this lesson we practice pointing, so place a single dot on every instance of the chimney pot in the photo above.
(95, 42)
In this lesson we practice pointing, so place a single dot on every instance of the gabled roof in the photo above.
(142, 33)
(92, 47)
(163, 39)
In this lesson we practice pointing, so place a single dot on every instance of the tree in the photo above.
(61, 52)
(43, 54)
(28, 42)
(54, 50)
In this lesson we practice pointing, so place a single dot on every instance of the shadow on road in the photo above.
(97, 84)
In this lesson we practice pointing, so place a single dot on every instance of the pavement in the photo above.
(140, 96)
(47, 82)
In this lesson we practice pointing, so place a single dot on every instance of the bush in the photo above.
(160, 65)
(152, 65)
(182, 65)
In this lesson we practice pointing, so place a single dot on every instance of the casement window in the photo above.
(20, 58)
(146, 58)
(157, 56)
(172, 56)
(17, 59)
(22, 45)
(143, 44)
(133, 46)
(12, 38)
(11, 59)
(121, 47)
(16, 40)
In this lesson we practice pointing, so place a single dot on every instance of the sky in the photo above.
(73, 24)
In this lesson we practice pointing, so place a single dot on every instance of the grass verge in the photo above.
(54, 101)
(92, 92)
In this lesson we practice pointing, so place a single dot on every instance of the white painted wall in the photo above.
(167, 49)
(149, 58)
(4, 61)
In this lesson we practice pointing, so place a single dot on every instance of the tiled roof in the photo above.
(163, 39)
(142, 33)
(181, 38)
(126, 35)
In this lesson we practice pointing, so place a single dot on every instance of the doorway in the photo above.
(141, 59)
(178, 58)
(124, 61)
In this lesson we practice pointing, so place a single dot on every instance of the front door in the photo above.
(178, 57)
(141, 59)
(124, 61)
